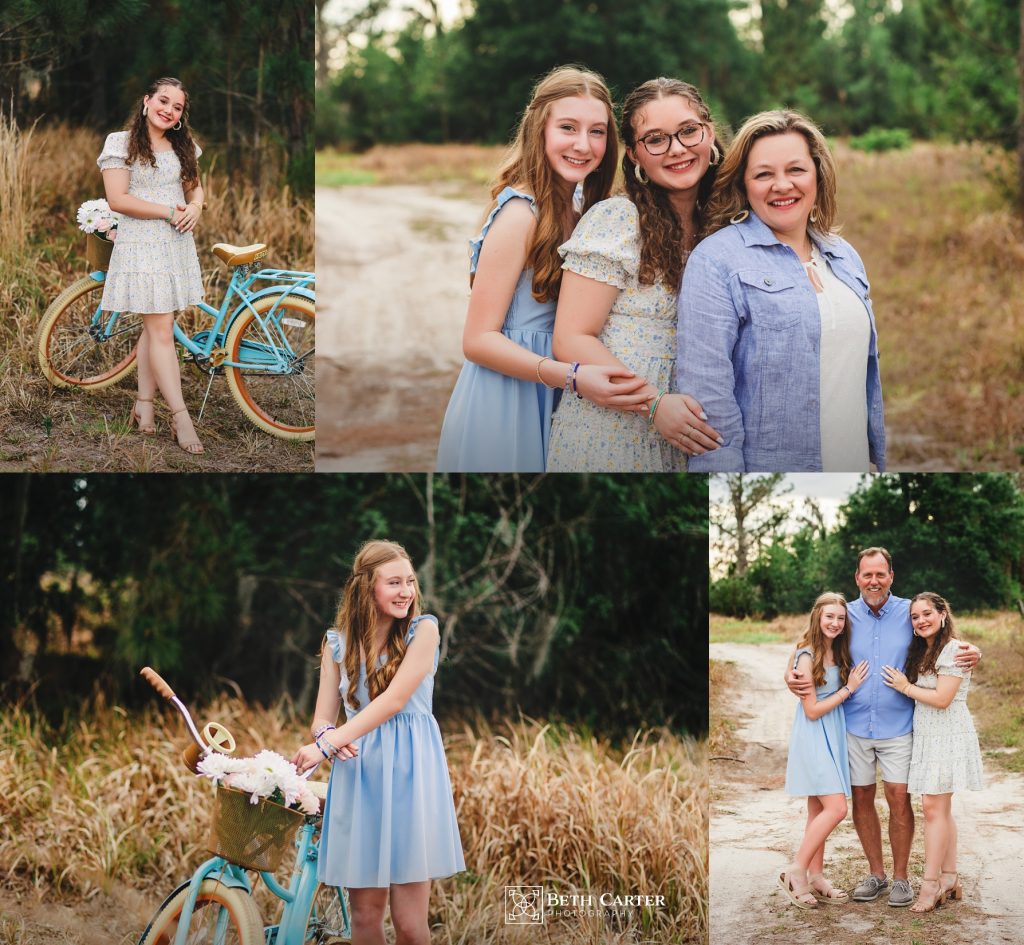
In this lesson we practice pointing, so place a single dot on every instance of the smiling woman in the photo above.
(777, 336)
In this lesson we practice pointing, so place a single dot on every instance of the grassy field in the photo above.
(101, 806)
(45, 174)
(945, 256)
(997, 688)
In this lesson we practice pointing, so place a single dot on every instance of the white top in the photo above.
(845, 338)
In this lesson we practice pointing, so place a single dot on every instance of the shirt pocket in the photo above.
(773, 302)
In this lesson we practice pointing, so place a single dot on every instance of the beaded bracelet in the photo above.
(575, 368)
(321, 730)
(327, 757)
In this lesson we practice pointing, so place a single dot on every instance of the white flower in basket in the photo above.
(267, 775)
(95, 216)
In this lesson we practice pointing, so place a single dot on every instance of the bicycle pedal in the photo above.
(218, 356)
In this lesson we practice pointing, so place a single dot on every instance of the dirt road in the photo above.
(393, 274)
(755, 827)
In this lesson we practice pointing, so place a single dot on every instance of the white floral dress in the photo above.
(153, 267)
(946, 756)
(640, 332)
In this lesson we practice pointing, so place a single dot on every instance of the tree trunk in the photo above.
(257, 130)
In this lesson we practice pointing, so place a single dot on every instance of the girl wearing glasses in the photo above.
(499, 415)
(776, 335)
(617, 306)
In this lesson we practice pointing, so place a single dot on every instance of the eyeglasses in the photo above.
(689, 136)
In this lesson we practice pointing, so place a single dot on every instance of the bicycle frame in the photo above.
(297, 898)
(274, 357)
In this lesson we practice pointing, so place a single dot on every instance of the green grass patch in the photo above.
(730, 630)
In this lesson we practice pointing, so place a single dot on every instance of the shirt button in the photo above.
(769, 282)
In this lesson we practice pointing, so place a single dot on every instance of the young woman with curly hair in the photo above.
(151, 178)
(618, 301)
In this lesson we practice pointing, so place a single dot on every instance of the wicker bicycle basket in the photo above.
(97, 252)
(255, 836)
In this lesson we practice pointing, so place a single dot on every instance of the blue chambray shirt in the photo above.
(749, 348)
(876, 710)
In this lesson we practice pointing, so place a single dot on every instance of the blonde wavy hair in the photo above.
(526, 167)
(661, 231)
(357, 621)
(730, 193)
(818, 644)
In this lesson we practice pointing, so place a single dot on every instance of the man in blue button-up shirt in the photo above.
(879, 723)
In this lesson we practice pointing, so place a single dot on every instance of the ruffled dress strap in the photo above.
(475, 245)
(799, 653)
(411, 632)
(114, 155)
(336, 645)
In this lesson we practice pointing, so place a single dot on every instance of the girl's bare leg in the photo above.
(163, 360)
(409, 903)
(147, 381)
(833, 810)
(368, 915)
(817, 862)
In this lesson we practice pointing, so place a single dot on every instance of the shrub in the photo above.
(882, 139)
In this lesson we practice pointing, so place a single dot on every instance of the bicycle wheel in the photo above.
(223, 916)
(281, 402)
(74, 351)
(328, 922)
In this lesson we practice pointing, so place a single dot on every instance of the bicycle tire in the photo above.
(245, 927)
(328, 921)
(283, 405)
(69, 354)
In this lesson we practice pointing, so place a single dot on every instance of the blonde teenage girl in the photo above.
(389, 823)
(499, 414)
(818, 767)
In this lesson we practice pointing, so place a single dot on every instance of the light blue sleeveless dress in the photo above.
(389, 815)
(497, 423)
(818, 760)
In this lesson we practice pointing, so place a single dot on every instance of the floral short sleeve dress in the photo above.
(945, 755)
(389, 815)
(153, 268)
(640, 332)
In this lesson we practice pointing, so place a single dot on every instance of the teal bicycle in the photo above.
(262, 338)
(215, 906)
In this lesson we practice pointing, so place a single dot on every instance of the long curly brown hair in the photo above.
(922, 653)
(819, 644)
(357, 621)
(526, 167)
(184, 145)
(661, 231)
(730, 194)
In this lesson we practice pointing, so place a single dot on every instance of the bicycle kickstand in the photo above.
(206, 397)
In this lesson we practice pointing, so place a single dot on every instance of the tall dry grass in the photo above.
(103, 800)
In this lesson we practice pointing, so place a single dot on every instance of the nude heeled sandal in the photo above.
(953, 892)
(798, 891)
(134, 417)
(927, 901)
(192, 447)
(827, 894)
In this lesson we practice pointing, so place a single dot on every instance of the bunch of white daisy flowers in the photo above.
(95, 216)
(266, 775)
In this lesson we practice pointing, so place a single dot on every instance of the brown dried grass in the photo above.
(46, 174)
(103, 800)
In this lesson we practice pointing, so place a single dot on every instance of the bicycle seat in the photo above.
(239, 255)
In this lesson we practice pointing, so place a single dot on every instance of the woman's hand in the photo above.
(309, 756)
(186, 220)
(609, 385)
(680, 420)
(894, 679)
(857, 675)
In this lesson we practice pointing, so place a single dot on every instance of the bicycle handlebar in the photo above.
(157, 682)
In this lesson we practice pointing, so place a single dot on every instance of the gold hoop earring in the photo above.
(638, 173)
(716, 155)
(177, 127)
(814, 214)
(739, 217)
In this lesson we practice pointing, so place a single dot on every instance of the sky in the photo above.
(830, 489)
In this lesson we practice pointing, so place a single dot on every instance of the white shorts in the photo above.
(866, 754)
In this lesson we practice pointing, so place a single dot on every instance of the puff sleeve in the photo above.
(605, 245)
(114, 155)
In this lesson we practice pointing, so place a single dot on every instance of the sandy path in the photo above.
(392, 268)
(755, 828)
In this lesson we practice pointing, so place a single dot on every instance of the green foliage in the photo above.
(581, 596)
(882, 139)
